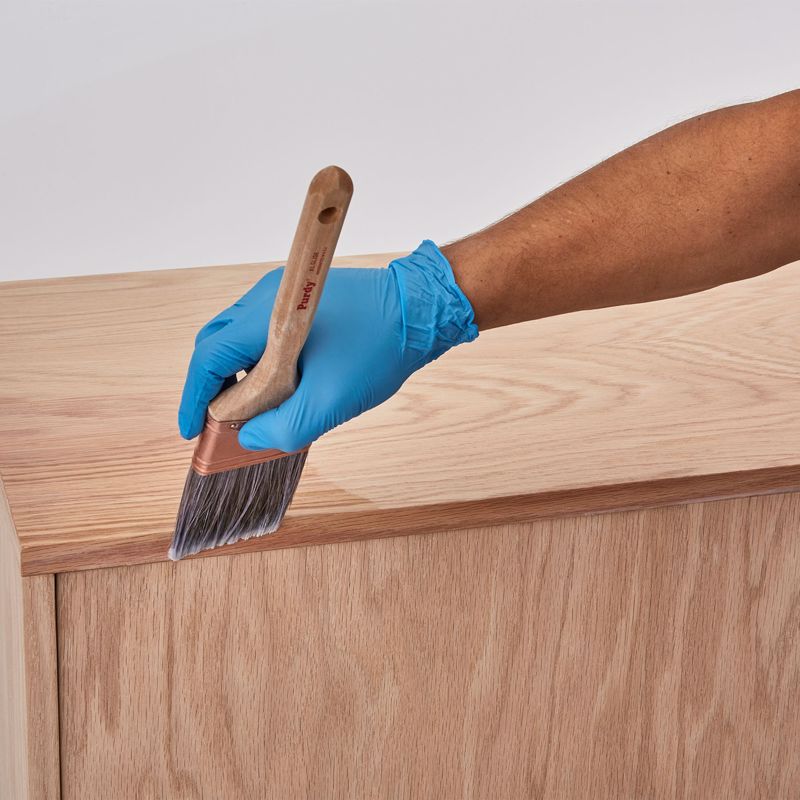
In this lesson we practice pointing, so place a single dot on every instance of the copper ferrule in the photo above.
(218, 449)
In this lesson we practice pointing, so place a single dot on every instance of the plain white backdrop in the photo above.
(143, 134)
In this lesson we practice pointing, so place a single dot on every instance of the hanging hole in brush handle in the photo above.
(328, 215)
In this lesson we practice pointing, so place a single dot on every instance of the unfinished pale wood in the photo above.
(29, 756)
(603, 407)
(13, 713)
(41, 687)
(274, 378)
(650, 654)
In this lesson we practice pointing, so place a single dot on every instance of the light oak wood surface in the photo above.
(29, 749)
(648, 654)
(686, 399)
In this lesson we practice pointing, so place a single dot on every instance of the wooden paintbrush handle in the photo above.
(274, 378)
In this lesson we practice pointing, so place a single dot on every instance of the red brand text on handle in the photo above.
(307, 289)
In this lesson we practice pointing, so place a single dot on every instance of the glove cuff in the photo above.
(436, 313)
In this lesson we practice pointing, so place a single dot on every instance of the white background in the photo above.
(139, 134)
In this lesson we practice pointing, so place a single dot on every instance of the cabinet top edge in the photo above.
(686, 399)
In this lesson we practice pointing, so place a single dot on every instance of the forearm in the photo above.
(711, 200)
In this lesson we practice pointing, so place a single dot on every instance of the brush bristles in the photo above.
(226, 507)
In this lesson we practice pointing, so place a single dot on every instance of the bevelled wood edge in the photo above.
(309, 530)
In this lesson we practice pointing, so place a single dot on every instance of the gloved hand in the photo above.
(373, 329)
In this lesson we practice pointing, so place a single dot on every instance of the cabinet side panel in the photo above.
(642, 654)
(29, 757)
(13, 729)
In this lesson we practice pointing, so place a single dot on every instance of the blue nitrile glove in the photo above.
(373, 328)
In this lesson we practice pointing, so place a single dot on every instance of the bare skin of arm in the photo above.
(712, 200)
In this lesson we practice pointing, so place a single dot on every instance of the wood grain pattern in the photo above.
(13, 741)
(649, 654)
(41, 687)
(579, 405)
(304, 531)
(29, 755)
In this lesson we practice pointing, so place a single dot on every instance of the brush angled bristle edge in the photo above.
(232, 493)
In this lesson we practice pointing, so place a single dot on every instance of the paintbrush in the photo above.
(232, 493)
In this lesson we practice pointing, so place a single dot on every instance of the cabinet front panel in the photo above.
(633, 655)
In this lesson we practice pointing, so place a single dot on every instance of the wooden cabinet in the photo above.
(563, 562)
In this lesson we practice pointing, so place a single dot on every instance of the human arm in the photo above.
(711, 200)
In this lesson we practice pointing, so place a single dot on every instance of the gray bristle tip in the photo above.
(230, 506)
